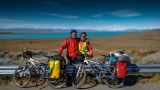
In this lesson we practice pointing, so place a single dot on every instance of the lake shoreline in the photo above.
(57, 35)
(148, 40)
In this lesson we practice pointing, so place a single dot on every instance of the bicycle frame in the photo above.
(99, 71)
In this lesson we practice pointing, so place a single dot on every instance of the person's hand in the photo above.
(86, 61)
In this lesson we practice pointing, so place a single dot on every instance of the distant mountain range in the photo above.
(29, 30)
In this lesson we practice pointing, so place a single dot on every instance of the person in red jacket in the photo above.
(72, 46)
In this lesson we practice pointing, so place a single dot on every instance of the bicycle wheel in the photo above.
(57, 82)
(112, 81)
(79, 78)
(41, 75)
(22, 76)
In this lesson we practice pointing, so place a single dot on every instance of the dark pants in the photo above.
(72, 61)
(69, 80)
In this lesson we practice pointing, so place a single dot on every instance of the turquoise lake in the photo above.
(57, 35)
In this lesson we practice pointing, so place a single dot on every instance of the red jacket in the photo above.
(72, 45)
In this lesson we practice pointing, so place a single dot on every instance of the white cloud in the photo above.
(63, 16)
(70, 16)
(7, 20)
(87, 24)
(29, 25)
(91, 26)
(125, 13)
(112, 27)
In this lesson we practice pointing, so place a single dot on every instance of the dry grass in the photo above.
(149, 78)
(6, 80)
(151, 59)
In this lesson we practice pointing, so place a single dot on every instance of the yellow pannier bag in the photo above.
(55, 67)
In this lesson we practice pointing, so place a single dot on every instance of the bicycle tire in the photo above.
(18, 70)
(42, 75)
(119, 84)
(112, 81)
(79, 73)
(52, 81)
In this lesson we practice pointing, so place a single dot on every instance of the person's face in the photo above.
(83, 36)
(74, 35)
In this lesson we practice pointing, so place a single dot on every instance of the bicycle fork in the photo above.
(79, 68)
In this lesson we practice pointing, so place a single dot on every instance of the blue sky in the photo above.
(80, 14)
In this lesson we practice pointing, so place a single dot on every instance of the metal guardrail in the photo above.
(131, 69)
(143, 68)
(7, 70)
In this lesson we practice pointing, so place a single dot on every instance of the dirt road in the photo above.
(139, 86)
